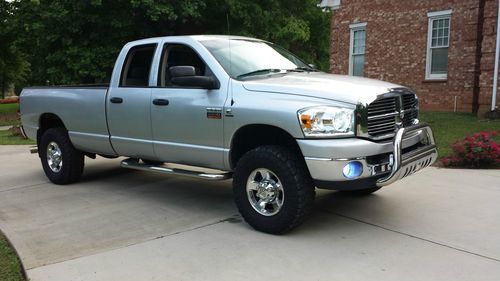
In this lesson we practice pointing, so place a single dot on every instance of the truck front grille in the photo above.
(381, 116)
(410, 105)
(385, 114)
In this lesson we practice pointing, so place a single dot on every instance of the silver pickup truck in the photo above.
(234, 107)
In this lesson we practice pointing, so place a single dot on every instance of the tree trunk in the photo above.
(3, 86)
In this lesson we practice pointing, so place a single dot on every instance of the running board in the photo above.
(135, 164)
(33, 149)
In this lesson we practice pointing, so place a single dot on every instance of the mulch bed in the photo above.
(9, 100)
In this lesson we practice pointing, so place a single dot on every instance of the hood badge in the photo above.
(400, 114)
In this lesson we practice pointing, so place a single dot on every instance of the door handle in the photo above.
(116, 100)
(161, 102)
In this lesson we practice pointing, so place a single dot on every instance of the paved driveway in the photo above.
(119, 224)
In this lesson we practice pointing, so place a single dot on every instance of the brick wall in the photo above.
(488, 56)
(396, 47)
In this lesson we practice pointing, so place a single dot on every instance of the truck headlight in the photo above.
(326, 121)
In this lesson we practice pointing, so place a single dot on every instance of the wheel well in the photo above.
(253, 136)
(47, 121)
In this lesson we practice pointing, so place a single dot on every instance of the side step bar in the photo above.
(135, 164)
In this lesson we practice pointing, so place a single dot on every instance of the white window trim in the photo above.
(354, 27)
(435, 16)
(439, 13)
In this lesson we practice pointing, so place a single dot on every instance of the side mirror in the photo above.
(185, 76)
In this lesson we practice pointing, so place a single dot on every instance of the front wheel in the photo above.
(273, 189)
(61, 162)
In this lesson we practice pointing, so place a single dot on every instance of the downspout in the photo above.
(495, 73)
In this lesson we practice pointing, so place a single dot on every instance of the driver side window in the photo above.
(179, 55)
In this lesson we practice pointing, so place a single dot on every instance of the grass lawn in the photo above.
(6, 137)
(449, 127)
(10, 268)
(8, 114)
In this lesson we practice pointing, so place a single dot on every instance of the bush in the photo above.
(474, 151)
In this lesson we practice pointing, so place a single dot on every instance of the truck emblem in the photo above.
(214, 113)
(402, 114)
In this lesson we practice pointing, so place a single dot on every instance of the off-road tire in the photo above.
(72, 159)
(299, 189)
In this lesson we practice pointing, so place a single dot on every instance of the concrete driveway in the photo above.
(119, 224)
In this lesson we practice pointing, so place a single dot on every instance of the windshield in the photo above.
(242, 58)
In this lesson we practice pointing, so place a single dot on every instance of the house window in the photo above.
(438, 41)
(357, 49)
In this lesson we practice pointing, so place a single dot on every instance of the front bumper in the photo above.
(412, 149)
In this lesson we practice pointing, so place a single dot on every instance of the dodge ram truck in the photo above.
(234, 107)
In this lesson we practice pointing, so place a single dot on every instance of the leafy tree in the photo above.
(13, 64)
(73, 42)
(298, 25)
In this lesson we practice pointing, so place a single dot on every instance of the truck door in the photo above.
(129, 105)
(187, 122)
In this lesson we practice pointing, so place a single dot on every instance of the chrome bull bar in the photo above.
(407, 164)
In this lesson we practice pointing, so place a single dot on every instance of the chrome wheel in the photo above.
(54, 157)
(265, 192)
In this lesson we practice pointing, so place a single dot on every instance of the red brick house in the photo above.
(443, 49)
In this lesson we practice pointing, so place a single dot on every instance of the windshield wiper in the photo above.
(308, 69)
(260, 72)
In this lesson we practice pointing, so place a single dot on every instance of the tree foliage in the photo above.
(73, 42)
(14, 66)
(297, 25)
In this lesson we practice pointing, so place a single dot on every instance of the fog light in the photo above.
(353, 169)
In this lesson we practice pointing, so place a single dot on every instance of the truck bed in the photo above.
(82, 109)
(79, 86)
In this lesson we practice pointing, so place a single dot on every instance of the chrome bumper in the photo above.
(406, 164)
(383, 162)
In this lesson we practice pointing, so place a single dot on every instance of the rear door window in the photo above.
(137, 66)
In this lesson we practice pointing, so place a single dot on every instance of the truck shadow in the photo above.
(333, 208)
(189, 195)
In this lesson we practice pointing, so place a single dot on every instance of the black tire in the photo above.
(298, 188)
(361, 192)
(72, 164)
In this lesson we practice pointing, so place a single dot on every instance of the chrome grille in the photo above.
(381, 116)
(384, 114)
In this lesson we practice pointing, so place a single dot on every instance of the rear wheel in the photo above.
(272, 189)
(61, 162)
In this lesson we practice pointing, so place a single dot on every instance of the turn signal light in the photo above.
(306, 121)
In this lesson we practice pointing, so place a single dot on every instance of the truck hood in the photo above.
(342, 88)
